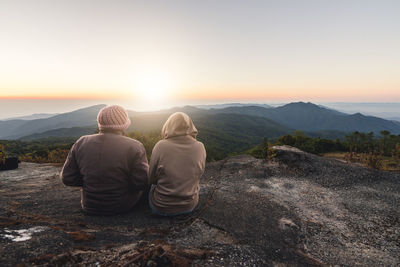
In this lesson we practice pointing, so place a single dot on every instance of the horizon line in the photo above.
(221, 101)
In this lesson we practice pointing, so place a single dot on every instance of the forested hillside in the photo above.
(224, 131)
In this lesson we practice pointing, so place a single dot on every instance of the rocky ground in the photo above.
(298, 209)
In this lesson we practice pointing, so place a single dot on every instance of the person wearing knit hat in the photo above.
(110, 168)
(113, 118)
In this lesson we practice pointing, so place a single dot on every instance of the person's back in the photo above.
(111, 169)
(176, 165)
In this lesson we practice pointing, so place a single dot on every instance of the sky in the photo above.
(156, 53)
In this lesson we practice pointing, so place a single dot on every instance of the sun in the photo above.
(153, 89)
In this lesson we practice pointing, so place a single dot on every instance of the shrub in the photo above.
(373, 160)
(263, 151)
(57, 155)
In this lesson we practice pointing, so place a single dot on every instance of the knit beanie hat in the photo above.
(113, 117)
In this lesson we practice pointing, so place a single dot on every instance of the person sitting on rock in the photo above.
(112, 169)
(176, 165)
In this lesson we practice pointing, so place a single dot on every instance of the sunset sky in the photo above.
(158, 51)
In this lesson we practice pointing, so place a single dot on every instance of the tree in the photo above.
(370, 141)
(3, 154)
(385, 149)
(147, 139)
(396, 152)
(264, 148)
(351, 140)
(287, 140)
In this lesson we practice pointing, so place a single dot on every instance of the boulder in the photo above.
(9, 164)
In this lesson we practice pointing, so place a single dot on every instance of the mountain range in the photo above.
(18, 128)
(310, 118)
(241, 126)
(220, 106)
(33, 116)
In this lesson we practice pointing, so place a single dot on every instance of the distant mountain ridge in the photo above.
(245, 122)
(220, 106)
(34, 116)
(395, 119)
(15, 129)
(62, 132)
(310, 117)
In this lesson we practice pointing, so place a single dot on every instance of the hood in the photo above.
(178, 124)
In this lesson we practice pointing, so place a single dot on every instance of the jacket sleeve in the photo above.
(70, 174)
(154, 160)
(140, 170)
(204, 157)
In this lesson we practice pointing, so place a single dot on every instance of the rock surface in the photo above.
(298, 209)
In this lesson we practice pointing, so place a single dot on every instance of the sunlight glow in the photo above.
(153, 89)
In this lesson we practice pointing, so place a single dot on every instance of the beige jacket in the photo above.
(176, 165)
(111, 169)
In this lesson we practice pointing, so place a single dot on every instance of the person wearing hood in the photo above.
(176, 165)
(111, 168)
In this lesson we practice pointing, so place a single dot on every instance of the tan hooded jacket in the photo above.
(176, 165)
